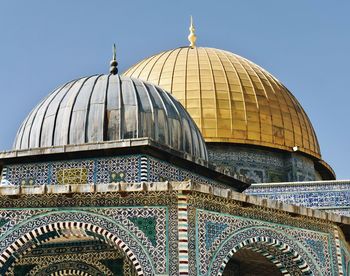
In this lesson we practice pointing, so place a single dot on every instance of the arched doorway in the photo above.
(84, 237)
(261, 255)
(73, 256)
(248, 262)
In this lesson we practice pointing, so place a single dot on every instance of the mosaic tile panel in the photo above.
(262, 166)
(115, 169)
(101, 170)
(234, 230)
(333, 196)
(28, 174)
(131, 236)
(74, 169)
(149, 226)
(163, 171)
(158, 225)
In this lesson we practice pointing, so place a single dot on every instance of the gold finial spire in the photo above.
(113, 69)
(192, 37)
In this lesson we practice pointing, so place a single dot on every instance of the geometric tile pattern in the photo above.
(240, 230)
(333, 196)
(213, 231)
(128, 168)
(32, 228)
(128, 165)
(163, 171)
(147, 226)
(28, 174)
(262, 166)
(163, 232)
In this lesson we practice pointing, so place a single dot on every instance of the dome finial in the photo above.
(113, 69)
(192, 37)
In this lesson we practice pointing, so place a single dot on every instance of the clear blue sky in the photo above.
(305, 44)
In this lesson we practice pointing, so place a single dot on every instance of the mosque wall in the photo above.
(224, 228)
(179, 231)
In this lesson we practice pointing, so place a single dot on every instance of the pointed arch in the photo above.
(39, 229)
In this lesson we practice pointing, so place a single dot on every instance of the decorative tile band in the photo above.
(128, 168)
(331, 195)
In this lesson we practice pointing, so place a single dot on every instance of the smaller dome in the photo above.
(106, 108)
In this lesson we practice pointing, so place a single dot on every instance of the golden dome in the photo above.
(230, 98)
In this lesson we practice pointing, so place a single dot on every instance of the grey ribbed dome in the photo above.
(110, 107)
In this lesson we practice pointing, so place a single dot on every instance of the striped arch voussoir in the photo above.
(70, 272)
(33, 239)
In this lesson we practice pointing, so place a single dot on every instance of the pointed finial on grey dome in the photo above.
(113, 69)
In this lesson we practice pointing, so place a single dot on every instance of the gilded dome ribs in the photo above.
(133, 70)
(200, 123)
(145, 66)
(215, 112)
(237, 127)
(156, 72)
(307, 126)
(278, 130)
(264, 112)
(172, 82)
(185, 77)
(158, 82)
(292, 110)
(235, 101)
(229, 131)
(253, 128)
(179, 77)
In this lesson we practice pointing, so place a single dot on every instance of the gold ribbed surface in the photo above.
(230, 98)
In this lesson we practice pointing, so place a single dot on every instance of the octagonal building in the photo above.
(111, 175)
(252, 124)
